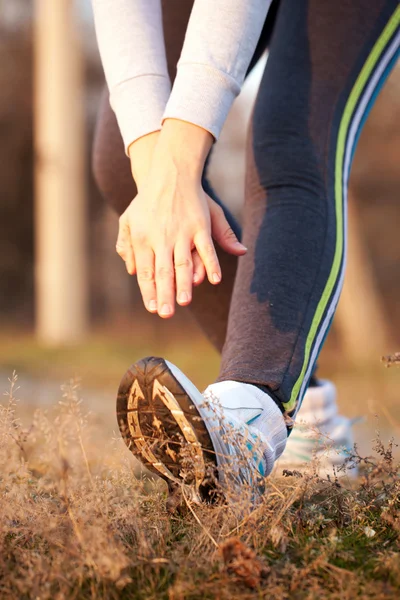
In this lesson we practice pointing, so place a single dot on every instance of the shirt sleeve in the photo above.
(220, 41)
(131, 43)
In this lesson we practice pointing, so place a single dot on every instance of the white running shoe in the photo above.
(320, 436)
(230, 436)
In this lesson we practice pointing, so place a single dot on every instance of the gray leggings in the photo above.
(272, 311)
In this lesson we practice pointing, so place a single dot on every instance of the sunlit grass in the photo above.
(77, 522)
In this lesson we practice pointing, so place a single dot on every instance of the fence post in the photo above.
(60, 203)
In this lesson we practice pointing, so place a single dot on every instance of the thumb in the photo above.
(223, 233)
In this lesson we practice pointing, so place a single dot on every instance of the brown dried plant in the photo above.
(76, 521)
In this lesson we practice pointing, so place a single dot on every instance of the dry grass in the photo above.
(76, 521)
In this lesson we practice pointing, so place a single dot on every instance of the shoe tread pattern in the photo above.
(157, 424)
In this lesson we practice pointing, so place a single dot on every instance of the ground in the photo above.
(79, 520)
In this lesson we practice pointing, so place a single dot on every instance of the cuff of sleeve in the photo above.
(202, 95)
(139, 104)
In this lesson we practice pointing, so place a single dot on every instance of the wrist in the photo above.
(188, 144)
(140, 153)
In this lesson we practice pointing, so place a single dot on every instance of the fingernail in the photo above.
(165, 309)
(239, 244)
(153, 305)
(183, 297)
(196, 278)
(216, 278)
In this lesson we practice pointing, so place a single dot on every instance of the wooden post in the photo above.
(60, 209)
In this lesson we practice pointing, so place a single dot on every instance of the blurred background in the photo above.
(67, 307)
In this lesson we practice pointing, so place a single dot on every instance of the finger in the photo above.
(130, 261)
(165, 281)
(144, 257)
(124, 246)
(206, 250)
(183, 273)
(223, 233)
(199, 271)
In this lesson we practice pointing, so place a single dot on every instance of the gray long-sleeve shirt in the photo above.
(220, 40)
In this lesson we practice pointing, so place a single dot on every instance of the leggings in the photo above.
(271, 313)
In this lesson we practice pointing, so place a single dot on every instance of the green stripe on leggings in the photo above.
(354, 97)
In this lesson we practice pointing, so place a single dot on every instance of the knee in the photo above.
(286, 159)
(110, 166)
(100, 172)
(284, 153)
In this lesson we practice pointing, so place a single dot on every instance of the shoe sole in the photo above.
(162, 426)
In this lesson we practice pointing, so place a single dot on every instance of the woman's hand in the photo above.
(171, 218)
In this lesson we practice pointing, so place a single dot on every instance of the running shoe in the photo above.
(321, 437)
(226, 439)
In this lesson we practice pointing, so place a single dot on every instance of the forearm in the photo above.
(219, 44)
(131, 43)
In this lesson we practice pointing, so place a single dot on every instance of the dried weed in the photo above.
(76, 522)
